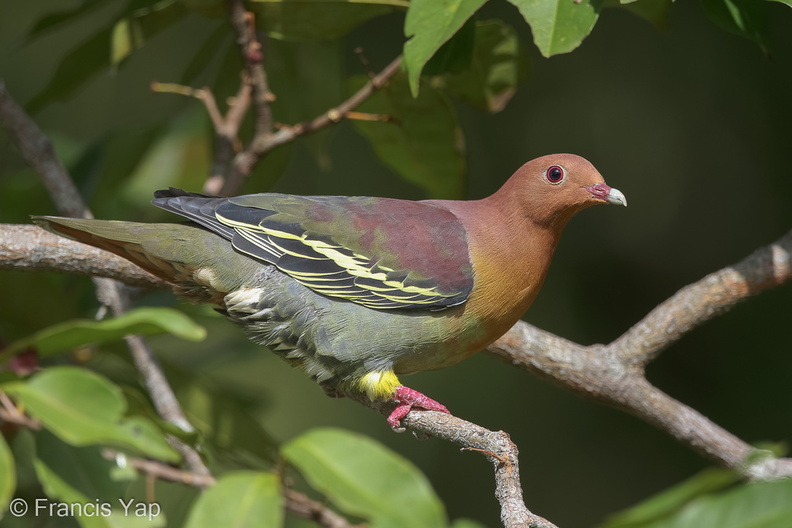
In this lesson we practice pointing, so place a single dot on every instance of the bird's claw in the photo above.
(407, 398)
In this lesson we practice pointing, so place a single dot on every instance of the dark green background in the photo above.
(692, 124)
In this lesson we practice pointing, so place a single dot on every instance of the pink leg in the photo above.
(407, 398)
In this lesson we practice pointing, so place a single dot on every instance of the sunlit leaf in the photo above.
(7, 475)
(466, 523)
(364, 478)
(559, 26)
(78, 332)
(673, 499)
(83, 408)
(81, 476)
(428, 26)
(239, 500)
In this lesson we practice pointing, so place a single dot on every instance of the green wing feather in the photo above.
(358, 249)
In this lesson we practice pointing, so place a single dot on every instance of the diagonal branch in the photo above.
(37, 149)
(496, 446)
(614, 373)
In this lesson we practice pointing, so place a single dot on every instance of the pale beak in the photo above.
(608, 194)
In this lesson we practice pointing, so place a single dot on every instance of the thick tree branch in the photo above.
(718, 292)
(30, 248)
(614, 373)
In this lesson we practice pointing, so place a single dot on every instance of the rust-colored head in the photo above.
(549, 190)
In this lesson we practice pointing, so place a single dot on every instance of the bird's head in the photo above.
(551, 189)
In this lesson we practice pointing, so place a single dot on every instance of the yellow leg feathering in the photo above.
(378, 385)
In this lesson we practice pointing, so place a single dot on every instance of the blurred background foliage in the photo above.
(690, 121)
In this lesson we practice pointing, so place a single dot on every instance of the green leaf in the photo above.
(241, 499)
(747, 18)
(466, 523)
(219, 40)
(787, 2)
(422, 141)
(653, 11)
(83, 408)
(365, 479)
(758, 505)
(78, 332)
(81, 476)
(62, 18)
(131, 32)
(673, 499)
(82, 63)
(7, 475)
(456, 54)
(317, 19)
(110, 45)
(498, 66)
(429, 24)
(309, 77)
(559, 26)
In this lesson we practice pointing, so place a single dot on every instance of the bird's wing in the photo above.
(378, 252)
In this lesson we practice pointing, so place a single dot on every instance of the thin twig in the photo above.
(159, 470)
(233, 163)
(9, 413)
(334, 115)
(264, 138)
(295, 502)
(303, 506)
(252, 53)
(261, 144)
(37, 150)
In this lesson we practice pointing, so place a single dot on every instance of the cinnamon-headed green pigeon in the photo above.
(358, 290)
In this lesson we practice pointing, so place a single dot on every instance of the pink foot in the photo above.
(407, 398)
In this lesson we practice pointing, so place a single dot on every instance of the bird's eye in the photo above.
(555, 174)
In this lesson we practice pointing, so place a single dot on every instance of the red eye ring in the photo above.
(555, 174)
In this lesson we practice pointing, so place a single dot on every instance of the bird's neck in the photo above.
(511, 254)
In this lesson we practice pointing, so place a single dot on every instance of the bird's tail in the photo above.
(186, 255)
